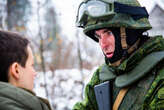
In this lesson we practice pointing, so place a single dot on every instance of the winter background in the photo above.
(65, 58)
(69, 90)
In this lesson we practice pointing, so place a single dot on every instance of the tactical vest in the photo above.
(139, 80)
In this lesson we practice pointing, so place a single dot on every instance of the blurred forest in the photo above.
(51, 49)
(37, 20)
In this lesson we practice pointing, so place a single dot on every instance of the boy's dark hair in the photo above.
(13, 48)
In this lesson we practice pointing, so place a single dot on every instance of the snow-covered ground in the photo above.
(64, 87)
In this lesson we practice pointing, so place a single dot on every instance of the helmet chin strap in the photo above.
(127, 50)
(123, 38)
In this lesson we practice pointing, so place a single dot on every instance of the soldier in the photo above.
(132, 77)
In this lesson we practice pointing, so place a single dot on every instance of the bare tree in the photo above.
(41, 48)
(80, 61)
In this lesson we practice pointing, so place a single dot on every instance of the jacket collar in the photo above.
(154, 44)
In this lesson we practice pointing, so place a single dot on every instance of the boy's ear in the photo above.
(14, 70)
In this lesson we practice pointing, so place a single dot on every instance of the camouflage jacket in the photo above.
(144, 77)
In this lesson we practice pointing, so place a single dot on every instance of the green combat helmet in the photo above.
(96, 14)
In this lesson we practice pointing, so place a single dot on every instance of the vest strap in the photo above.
(120, 97)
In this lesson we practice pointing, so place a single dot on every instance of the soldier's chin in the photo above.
(109, 55)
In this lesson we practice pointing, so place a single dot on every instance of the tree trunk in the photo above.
(80, 62)
(42, 50)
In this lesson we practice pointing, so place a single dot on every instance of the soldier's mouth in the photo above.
(109, 54)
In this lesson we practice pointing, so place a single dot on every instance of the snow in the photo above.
(64, 89)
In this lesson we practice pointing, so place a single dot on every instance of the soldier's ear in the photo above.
(14, 71)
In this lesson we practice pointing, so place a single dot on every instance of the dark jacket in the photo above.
(14, 98)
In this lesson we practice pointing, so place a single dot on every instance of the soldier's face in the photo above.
(106, 41)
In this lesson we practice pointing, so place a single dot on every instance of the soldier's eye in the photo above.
(110, 33)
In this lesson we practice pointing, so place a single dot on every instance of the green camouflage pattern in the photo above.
(145, 94)
(118, 20)
(154, 99)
